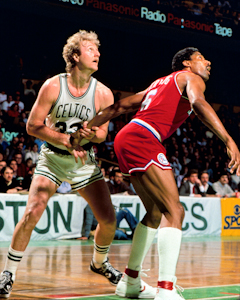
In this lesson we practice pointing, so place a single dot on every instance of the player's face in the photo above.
(89, 57)
(200, 66)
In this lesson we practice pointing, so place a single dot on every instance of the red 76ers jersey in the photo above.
(163, 106)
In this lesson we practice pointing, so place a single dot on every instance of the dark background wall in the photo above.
(133, 53)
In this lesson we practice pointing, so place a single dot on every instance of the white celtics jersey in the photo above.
(69, 112)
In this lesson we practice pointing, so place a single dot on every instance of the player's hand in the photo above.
(78, 152)
(88, 133)
(234, 155)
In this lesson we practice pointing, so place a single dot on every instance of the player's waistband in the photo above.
(148, 127)
(86, 147)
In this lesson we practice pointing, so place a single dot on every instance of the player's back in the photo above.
(163, 106)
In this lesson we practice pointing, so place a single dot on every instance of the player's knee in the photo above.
(180, 212)
(32, 215)
(152, 218)
(108, 222)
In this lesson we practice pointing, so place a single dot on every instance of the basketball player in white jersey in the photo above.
(63, 102)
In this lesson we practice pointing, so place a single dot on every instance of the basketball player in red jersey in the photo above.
(162, 108)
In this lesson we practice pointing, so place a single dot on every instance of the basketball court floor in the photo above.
(208, 269)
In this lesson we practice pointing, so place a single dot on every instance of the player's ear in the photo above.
(186, 63)
(75, 56)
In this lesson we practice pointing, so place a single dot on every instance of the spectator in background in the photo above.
(175, 164)
(109, 142)
(39, 143)
(3, 143)
(222, 187)
(29, 89)
(21, 138)
(116, 184)
(29, 96)
(125, 214)
(3, 164)
(183, 176)
(28, 178)
(14, 166)
(28, 164)
(232, 183)
(21, 170)
(11, 147)
(19, 102)
(18, 148)
(235, 178)
(109, 160)
(7, 104)
(111, 129)
(33, 153)
(3, 97)
(191, 186)
(12, 119)
(186, 159)
(23, 117)
(89, 224)
(217, 170)
(205, 187)
(104, 174)
(8, 184)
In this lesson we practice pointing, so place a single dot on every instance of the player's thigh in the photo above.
(153, 215)
(161, 187)
(98, 197)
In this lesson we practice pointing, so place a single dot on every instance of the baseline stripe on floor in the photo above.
(203, 293)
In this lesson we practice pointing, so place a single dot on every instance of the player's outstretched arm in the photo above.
(195, 90)
(128, 104)
(123, 106)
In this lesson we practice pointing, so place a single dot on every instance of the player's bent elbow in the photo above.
(32, 128)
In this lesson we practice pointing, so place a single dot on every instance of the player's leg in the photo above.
(160, 185)
(40, 191)
(98, 197)
(131, 284)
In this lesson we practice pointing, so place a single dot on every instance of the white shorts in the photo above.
(60, 167)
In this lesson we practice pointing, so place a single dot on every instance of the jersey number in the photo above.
(146, 102)
(63, 127)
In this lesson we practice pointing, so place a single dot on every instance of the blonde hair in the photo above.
(73, 46)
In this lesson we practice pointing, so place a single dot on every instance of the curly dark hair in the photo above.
(180, 56)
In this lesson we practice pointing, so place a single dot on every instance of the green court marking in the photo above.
(220, 292)
(206, 293)
(57, 243)
(75, 242)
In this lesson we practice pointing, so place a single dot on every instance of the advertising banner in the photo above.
(162, 15)
(63, 217)
(59, 220)
(230, 216)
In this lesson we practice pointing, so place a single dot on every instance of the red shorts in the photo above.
(137, 149)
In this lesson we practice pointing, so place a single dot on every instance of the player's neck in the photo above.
(79, 78)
